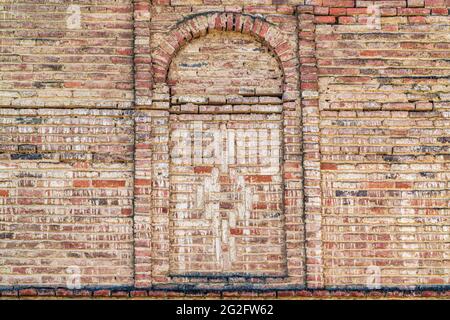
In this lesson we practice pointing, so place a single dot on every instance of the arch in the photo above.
(226, 68)
(232, 196)
(199, 25)
(284, 48)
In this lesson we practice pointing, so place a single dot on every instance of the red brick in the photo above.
(325, 19)
(143, 182)
(108, 183)
(338, 11)
(435, 3)
(357, 11)
(403, 185)
(138, 293)
(259, 178)
(328, 166)
(28, 292)
(102, 293)
(414, 11)
(120, 294)
(46, 292)
(347, 20)
(321, 11)
(9, 293)
(64, 293)
(417, 20)
(202, 170)
(381, 185)
(338, 3)
(81, 183)
(440, 11)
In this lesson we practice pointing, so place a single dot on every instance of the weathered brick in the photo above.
(351, 192)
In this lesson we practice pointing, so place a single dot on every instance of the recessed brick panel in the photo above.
(230, 71)
(227, 202)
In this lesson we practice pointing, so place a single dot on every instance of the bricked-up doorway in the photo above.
(227, 198)
(226, 181)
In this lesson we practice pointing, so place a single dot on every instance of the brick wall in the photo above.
(384, 107)
(335, 113)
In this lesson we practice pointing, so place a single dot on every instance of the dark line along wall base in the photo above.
(439, 293)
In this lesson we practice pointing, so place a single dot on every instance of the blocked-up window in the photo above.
(226, 159)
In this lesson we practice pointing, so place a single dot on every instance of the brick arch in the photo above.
(284, 48)
(200, 25)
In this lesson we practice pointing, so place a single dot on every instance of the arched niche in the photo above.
(233, 77)
(226, 159)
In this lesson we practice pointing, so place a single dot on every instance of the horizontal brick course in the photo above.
(267, 294)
